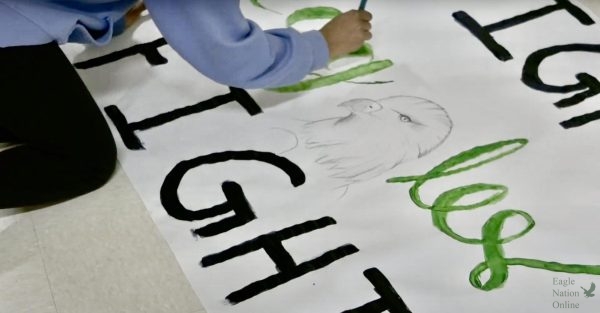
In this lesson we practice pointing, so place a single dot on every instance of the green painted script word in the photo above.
(491, 233)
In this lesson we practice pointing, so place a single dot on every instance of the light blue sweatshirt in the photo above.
(212, 35)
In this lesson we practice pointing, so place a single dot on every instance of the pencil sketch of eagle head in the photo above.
(370, 137)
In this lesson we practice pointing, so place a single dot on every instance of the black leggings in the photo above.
(65, 147)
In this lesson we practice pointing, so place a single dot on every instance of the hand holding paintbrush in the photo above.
(347, 32)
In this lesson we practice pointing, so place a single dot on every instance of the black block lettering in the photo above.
(483, 33)
(285, 264)
(149, 50)
(389, 299)
(588, 84)
(236, 200)
(581, 120)
(127, 130)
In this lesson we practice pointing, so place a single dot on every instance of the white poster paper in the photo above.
(455, 171)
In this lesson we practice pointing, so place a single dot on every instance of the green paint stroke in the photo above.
(327, 80)
(491, 239)
(364, 51)
(314, 13)
(257, 4)
(375, 82)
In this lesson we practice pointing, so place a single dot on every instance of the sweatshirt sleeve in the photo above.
(40, 22)
(215, 38)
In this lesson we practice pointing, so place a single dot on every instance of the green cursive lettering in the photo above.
(491, 232)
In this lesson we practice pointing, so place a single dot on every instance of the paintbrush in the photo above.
(363, 4)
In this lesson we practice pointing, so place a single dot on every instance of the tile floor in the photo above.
(99, 253)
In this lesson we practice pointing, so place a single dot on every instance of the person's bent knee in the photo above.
(102, 167)
(96, 167)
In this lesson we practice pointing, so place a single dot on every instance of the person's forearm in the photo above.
(215, 38)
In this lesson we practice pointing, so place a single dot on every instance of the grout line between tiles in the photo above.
(39, 247)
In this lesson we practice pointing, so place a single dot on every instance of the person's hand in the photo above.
(347, 32)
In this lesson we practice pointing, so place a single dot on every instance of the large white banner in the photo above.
(451, 165)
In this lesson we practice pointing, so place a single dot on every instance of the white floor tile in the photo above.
(24, 286)
(103, 253)
(593, 5)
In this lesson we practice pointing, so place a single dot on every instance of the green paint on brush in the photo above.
(491, 232)
(314, 13)
(328, 80)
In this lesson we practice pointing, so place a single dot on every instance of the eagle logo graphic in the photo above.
(589, 292)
